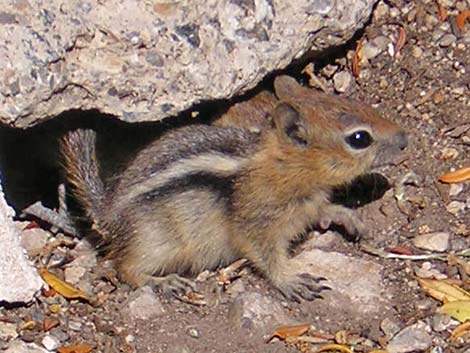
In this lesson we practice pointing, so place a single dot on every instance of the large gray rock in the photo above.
(147, 60)
(18, 279)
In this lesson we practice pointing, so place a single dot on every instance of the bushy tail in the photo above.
(82, 172)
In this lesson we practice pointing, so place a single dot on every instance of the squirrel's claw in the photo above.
(303, 286)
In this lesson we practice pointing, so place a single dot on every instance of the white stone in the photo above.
(455, 207)
(34, 239)
(254, 311)
(411, 338)
(438, 241)
(174, 54)
(342, 81)
(50, 343)
(356, 283)
(18, 279)
(144, 304)
(455, 189)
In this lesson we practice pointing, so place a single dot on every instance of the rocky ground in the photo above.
(413, 65)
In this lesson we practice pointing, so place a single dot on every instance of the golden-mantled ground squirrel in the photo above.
(202, 196)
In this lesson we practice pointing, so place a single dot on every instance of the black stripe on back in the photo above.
(223, 187)
(187, 142)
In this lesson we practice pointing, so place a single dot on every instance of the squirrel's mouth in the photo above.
(383, 163)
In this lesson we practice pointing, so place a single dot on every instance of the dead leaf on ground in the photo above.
(334, 347)
(443, 291)
(78, 348)
(30, 325)
(460, 19)
(284, 332)
(458, 176)
(49, 324)
(460, 330)
(400, 250)
(400, 43)
(193, 298)
(356, 60)
(63, 288)
(441, 11)
(459, 310)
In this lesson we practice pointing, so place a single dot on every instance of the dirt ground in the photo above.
(425, 88)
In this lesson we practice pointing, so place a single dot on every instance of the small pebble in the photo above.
(441, 322)
(144, 304)
(194, 333)
(459, 91)
(50, 343)
(426, 271)
(455, 207)
(75, 325)
(447, 40)
(417, 52)
(342, 81)
(455, 189)
(438, 241)
(370, 51)
(389, 327)
(411, 338)
(74, 274)
(34, 239)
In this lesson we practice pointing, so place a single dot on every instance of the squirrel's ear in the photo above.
(285, 86)
(289, 125)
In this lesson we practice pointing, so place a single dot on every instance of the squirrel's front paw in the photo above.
(303, 286)
(342, 216)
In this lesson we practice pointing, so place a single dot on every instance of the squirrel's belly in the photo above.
(188, 233)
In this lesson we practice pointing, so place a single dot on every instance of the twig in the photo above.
(386, 255)
(54, 218)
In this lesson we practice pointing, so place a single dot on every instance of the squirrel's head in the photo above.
(338, 138)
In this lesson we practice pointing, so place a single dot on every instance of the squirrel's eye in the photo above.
(359, 139)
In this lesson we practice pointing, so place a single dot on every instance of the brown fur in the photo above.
(203, 196)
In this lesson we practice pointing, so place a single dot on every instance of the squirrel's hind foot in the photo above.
(172, 285)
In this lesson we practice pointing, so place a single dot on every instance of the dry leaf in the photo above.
(341, 337)
(400, 43)
(460, 330)
(441, 11)
(63, 288)
(355, 64)
(400, 250)
(289, 331)
(193, 298)
(334, 347)
(78, 348)
(458, 176)
(459, 310)
(443, 291)
(30, 325)
(460, 19)
(49, 324)
(55, 308)
(455, 261)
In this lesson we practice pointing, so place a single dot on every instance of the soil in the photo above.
(424, 88)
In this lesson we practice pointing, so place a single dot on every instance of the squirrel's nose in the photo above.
(401, 140)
